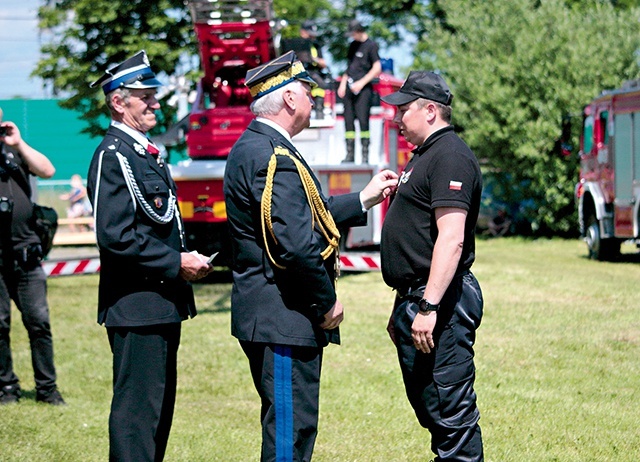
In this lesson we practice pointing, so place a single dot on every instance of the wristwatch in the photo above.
(424, 306)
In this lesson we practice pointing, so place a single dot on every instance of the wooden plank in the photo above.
(75, 221)
(78, 238)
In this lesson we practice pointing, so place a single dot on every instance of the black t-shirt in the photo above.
(361, 57)
(443, 172)
(10, 188)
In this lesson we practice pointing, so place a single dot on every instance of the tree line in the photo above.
(521, 71)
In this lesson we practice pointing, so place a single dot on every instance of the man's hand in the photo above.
(193, 266)
(422, 331)
(357, 86)
(342, 88)
(379, 188)
(12, 137)
(333, 317)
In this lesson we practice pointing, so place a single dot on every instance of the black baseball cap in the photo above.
(355, 26)
(311, 27)
(421, 84)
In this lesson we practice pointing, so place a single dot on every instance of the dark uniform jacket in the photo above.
(139, 256)
(268, 304)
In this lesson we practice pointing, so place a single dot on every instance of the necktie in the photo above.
(152, 150)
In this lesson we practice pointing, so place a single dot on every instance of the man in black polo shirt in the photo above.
(427, 249)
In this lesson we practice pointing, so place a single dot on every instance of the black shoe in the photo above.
(10, 394)
(52, 397)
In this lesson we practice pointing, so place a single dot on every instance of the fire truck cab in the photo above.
(608, 193)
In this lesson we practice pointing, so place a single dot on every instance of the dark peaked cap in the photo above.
(276, 73)
(134, 73)
(421, 84)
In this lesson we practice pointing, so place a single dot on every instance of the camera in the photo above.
(4, 131)
(6, 205)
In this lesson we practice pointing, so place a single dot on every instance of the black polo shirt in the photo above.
(443, 172)
(361, 57)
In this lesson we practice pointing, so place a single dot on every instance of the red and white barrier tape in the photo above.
(360, 262)
(71, 267)
(348, 262)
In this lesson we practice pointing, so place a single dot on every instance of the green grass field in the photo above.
(558, 370)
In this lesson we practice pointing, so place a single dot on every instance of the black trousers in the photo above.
(28, 289)
(287, 379)
(144, 391)
(357, 107)
(439, 385)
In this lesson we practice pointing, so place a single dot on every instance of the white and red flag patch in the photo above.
(455, 185)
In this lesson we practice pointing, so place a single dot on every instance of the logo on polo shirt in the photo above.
(405, 176)
(455, 185)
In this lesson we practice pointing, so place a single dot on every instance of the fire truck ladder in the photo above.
(234, 36)
(214, 12)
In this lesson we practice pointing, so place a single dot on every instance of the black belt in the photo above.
(411, 290)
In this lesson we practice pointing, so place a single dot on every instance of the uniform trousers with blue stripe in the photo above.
(287, 379)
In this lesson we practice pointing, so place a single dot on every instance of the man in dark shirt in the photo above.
(309, 51)
(427, 249)
(21, 276)
(356, 89)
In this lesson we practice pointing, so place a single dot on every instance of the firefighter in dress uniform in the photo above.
(145, 269)
(285, 236)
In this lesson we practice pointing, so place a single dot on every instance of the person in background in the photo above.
(356, 89)
(79, 204)
(284, 236)
(145, 268)
(22, 278)
(427, 249)
(500, 224)
(309, 51)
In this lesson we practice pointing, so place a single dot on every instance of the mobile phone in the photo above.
(210, 260)
(4, 131)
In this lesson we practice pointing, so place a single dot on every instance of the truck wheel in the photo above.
(600, 249)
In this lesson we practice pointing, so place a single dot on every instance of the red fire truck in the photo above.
(608, 193)
(234, 36)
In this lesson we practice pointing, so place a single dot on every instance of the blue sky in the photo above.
(19, 49)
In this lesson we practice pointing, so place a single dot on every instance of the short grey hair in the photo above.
(124, 93)
(272, 103)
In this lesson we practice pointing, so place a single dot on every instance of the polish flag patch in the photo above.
(455, 185)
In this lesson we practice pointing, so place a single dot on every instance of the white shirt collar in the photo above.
(135, 134)
(275, 126)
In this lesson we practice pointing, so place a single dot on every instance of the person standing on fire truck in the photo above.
(284, 236)
(427, 249)
(356, 89)
(308, 49)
